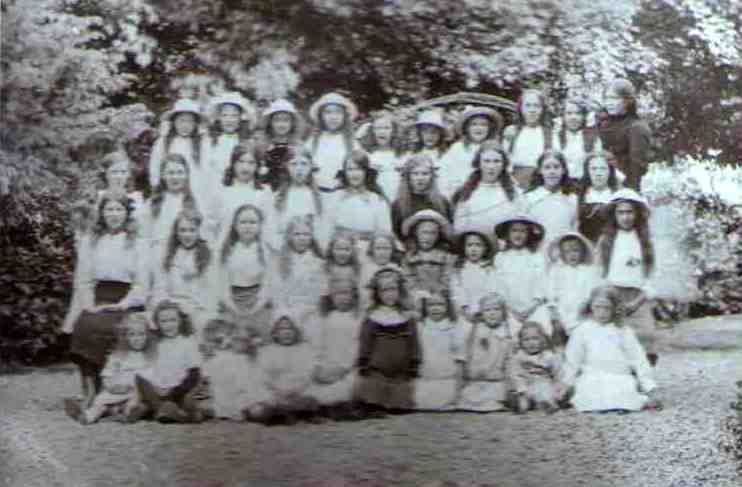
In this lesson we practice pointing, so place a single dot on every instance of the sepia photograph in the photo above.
(371, 243)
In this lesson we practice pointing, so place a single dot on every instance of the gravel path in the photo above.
(40, 446)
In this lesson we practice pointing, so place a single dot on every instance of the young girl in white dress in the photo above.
(474, 126)
(575, 140)
(283, 130)
(383, 142)
(604, 362)
(599, 183)
(530, 138)
(489, 194)
(472, 275)
(551, 197)
(233, 118)
(430, 136)
(443, 341)
(332, 115)
(534, 370)
(490, 346)
(342, 257)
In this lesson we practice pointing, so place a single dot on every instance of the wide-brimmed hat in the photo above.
(627, 194)
(470, 112)
(460, 233)
(333, 99)
(426, 215)
(502, 226)
(184, 105)
(430, 117)
(280, 105)
(554, 252)
(232, 98)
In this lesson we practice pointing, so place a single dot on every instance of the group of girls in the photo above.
(271, 276)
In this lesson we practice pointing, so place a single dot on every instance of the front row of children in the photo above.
(343, 366)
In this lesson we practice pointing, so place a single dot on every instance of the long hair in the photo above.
(532, 325)
(563, 131)
(297, 129)
(613, 296)
(232, 237)
(543, 121)
(111, 160)
(241, 150)
(418, 146)
(608, 238)
(284, 259)
(533, 241)
(186, 324)
(203, 253)
(243, 129)
(506, 182)
(411, 241)
(375, 284)
(389, 237)
(327, 306)
(196, 140)
(130, 226)
(444, 294)
(586, 183)
(460, 250)
(405, 195)
(360, 158)
(493, 132)
(283, 190)
(159, 193)
(370, 143)
(537, 179)
(346, 129)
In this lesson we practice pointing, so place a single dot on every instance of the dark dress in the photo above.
(630, 140)
(388, 361)
(276, 158)
(419, 202)
(592, 217)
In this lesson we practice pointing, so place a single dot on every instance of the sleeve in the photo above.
(639, 363)
(82, 290)
(574, 356)
(137, 295)
(155, 160)
(396, 216)
(640, 143)
(515, 373)
(383, 216)
(508, 137)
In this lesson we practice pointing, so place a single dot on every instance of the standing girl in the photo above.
(530, 138)
(116, 176)
(384, 146)
(283, 127)
(533, 371)
(389, 351)
(332, 116)
(598, 185)
(488, 195)
(489, 349)
(472, 275)
(576, 140)
(233, 118)
(382, 252)
(604, 361)
(551, 198)
(418, 191)
(430, 136)
(474, 126)
(627, 260)
(443, 340)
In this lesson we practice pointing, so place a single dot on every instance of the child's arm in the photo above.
(516, 374)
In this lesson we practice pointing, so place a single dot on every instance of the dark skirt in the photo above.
(257, 322)
(95, 333)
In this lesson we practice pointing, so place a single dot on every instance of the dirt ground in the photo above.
(40, 446)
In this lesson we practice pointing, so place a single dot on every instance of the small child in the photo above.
(533, 371)
(382, 252)
(604, 361)
(134, 355)
(443, 341)
(389, 350)
(472, 274)
(166, 390)
(490, 347)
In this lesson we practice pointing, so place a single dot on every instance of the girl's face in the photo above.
(477, 129)
(599, 171)
(342, 251)
(382, 251)
(572, 252)
(342, 299)
(430, 135)
(491, 164)
(221, 339)
(118, 175)
(136, 337)
(614, 103)
(299, 170)
(383, 130)
(573, 117)
(355, 175)
(421, 177)
(532, 341)
(285, 334)
(185, 124)
(282, 123)
(187, 233)
(437, 308)
(114, 215)
(389, 294)
(168, 320)
(625, 216)
(518, 235)
(247, 225)
(175, 177)
(229, 117)
(427, 234)
(552, 172)
(602, 309)
(531, 109)
(333, 116)
(245, 169)
(474, 247)
(493, 313)
(301, 238)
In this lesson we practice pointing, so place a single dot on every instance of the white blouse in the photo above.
(299, 202)
(626, 269)
(603, 196)
(568, 288)
(486, 206)
(528, 147)
(174, 357)
(574, 150)
(328, 157)
(519, 276)
(456, 167)
(361, 213)
(202, 177)
(557, 212)
(387, 165)
(184, 284)
(470, 283)
(443, 345)
(229, 198)
(221, 153)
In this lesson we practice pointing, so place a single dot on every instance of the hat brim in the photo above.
(553, 250)
(502, 227)
(170, 114)
(350, 109)
(460, 236)
(413, 220)
(493, 115)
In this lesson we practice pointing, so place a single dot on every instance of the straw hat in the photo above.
(430, 117)
(184, 105)
(627, 194)
(333, 99)
(470, 112)
(426, 215)
(232, 98)
(502, 226)
(553, 251)
(461, 232)
(280, 105)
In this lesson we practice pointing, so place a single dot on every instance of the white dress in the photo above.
(485, 207)
(329, 156)
(469, 283)
(204, 177)
(220, 153)
(234, 383)
(299, 202)
(229, 198)
(443, 346)
(286, 373)
(528, 147)
(486, 386)
(363, 214)
(574, 150)
(557, 212)
(119, 371)
(607, 367)
(568, 288)
(301, 290)
(175, 356)
(535, 375)
(387, 164)
(520, 274)
(337, 347)
(456, 167)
